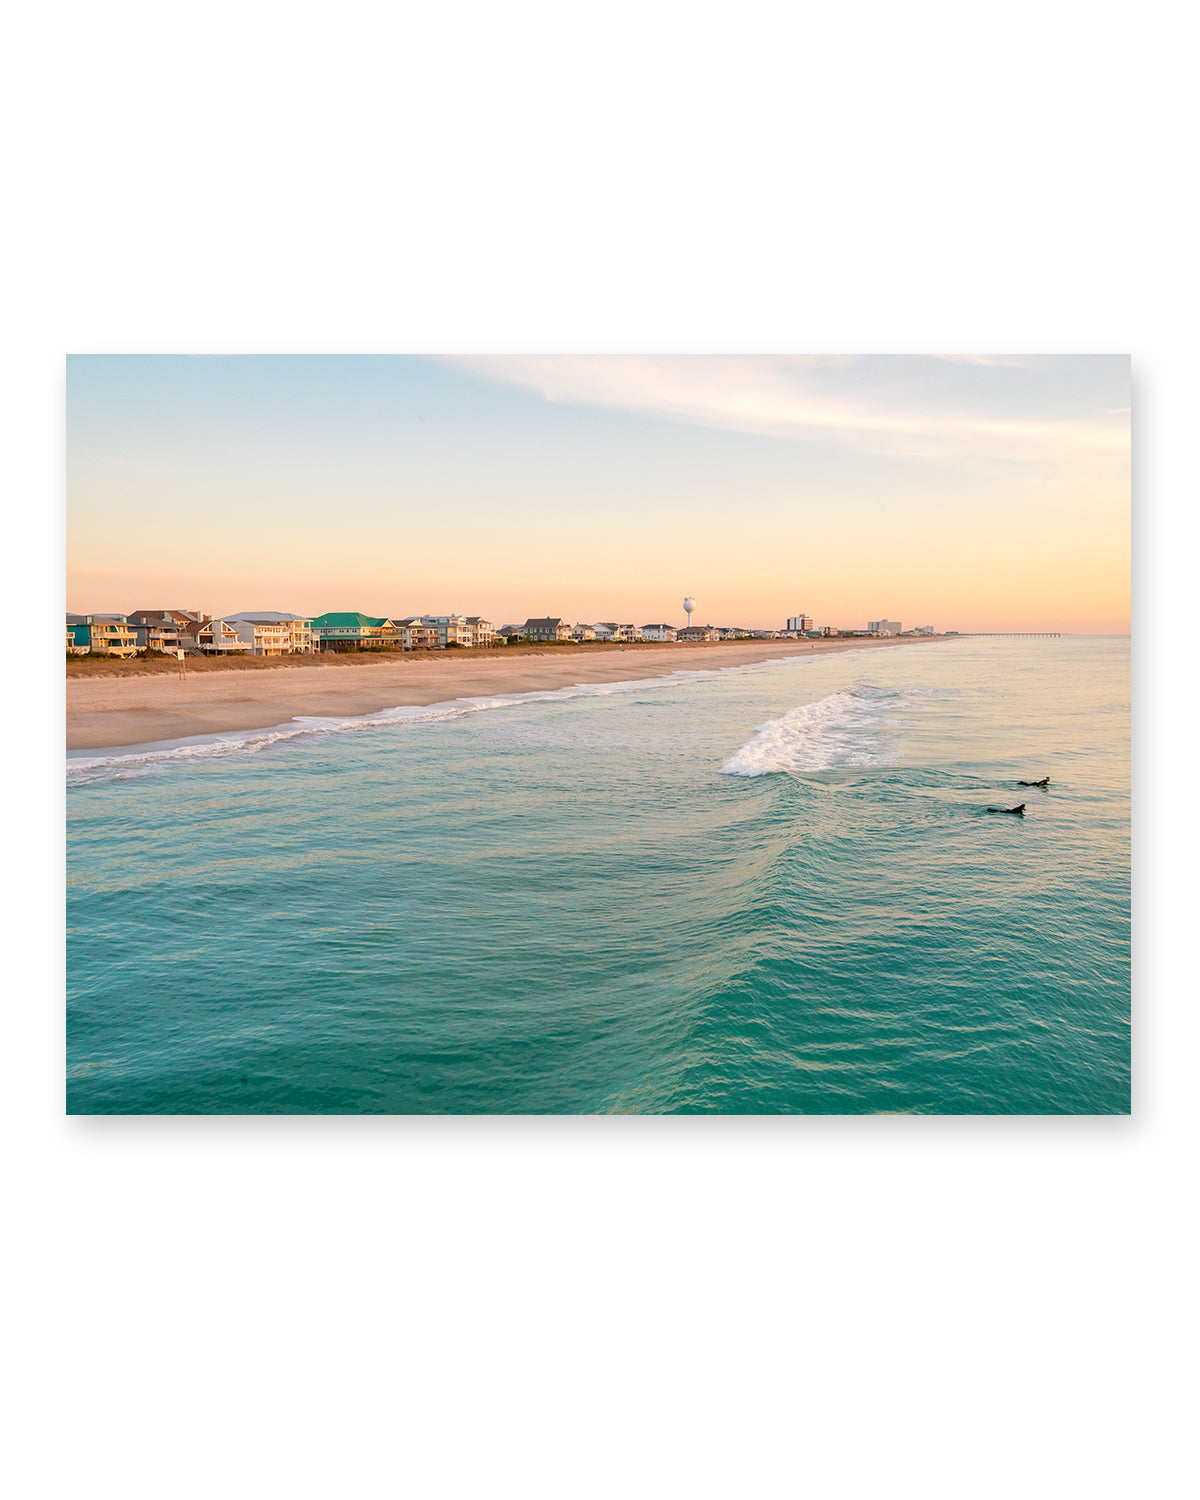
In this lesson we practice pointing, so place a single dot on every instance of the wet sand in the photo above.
(112, 712)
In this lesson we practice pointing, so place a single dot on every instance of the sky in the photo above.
(967, 492)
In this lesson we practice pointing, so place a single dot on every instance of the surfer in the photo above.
(1045, 781)
(1019, 811)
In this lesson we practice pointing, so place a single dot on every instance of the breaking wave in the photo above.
(853, 709)
(849, 728)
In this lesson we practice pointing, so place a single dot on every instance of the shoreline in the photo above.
(123, 713)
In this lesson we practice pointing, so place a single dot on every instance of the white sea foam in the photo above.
(849, 728)
(133, 760)
(138, 760)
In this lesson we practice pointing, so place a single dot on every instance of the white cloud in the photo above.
(818, 397)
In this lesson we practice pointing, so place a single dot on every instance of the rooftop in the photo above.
(349, 617)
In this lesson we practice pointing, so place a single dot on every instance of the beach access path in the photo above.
(108, 712)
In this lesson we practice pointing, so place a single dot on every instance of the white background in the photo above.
(657, 1307)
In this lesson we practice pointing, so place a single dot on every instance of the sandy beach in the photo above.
(105, 712)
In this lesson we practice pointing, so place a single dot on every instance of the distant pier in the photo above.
(1036, 635)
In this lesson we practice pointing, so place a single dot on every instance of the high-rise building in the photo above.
(800, 622)
(884, 627)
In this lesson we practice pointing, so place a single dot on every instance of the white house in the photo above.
(218, 638)
(483, 632)
(451, 629)
(268, 633)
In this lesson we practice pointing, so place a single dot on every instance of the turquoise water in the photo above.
(763, 889)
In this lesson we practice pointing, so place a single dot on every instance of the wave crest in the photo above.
(845, 729)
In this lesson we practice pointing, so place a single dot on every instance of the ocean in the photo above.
(763, 889)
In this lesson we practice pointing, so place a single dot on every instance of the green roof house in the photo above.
(351, 631)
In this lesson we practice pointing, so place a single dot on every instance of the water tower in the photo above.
(689, 604)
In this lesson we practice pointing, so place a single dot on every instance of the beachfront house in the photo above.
(106, 635)
(348, 630)
(173, 631)
(191, 623)
(550, 628)
(659, 633)
(411, 634)
(610, 630)
(698, 633)
(582, 633)
(157, 630)
(483, 632)
(215, 638)
(452, 630)
(270, 633)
